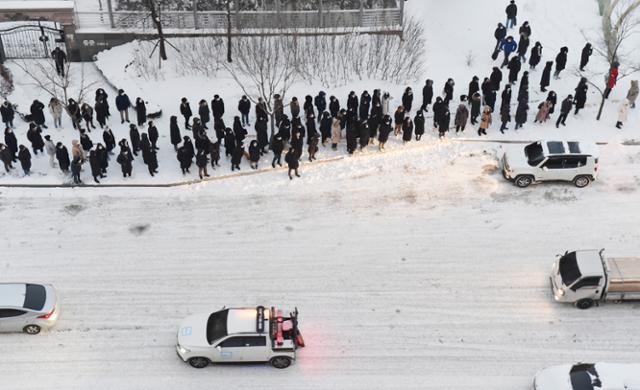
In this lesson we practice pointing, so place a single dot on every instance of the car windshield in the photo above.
(569, 271)
(217, 326)
(35, 297)
(584, 377)
(534, 154)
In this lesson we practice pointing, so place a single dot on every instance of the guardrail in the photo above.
(141, 20)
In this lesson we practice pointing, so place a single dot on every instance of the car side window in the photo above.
(255, 341)
(7, 313)
(593, 281)
(232, 342)
(575, 162)
(553, 163)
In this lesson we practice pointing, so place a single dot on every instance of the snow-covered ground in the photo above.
(418, 268)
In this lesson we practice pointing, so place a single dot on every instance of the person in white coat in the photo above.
(623, 112)
(386, 101)
(50, 148)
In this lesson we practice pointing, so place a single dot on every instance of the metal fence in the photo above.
(373, 19)
(30, 41)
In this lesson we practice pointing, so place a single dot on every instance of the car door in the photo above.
(588, 287)
(256, 349)
(230, 350)
(573, 166)
(549, 169)
(12, 320)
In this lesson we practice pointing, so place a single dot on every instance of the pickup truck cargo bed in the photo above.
(625, 275)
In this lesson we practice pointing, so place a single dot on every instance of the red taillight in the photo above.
(49, 314)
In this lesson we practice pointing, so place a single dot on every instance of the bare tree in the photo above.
(265, 66)
(43, 75)
(619, 23)
(6, 81)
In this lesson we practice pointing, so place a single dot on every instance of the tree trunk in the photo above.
(601, 107)
(229, 59)
(151, 4)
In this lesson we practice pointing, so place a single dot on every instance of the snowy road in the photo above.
(437, 280)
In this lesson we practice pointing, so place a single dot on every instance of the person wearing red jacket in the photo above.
(611, 81)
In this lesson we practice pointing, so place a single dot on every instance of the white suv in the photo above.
(576, 162)
(241, 335)
(27, 308)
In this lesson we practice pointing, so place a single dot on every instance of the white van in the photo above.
(576, 162)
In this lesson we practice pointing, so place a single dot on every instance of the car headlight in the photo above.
(561, 292)
(182, 349)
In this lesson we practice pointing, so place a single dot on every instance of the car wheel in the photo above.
(31, 329)
(199, 362)
(581, 181)
(523, 181)
(584, 304)
(280, 362)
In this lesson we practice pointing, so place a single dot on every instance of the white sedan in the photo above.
(26, 307)
(585, 376)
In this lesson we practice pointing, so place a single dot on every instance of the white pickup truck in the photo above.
(240, 335)
(587, 276)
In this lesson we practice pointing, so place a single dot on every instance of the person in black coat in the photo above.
(474, 86)
(523, 47)
(499, 34)
(12, 143)
(185, 110)
(254, 154)
(407, 129)
(374, 121)
(320, 101)
(565, 109)
(261, 134)
(523, 91)
(103, 159)
(59, 57)
(229, 142)
(495, 78)
(134, 135)
(141, 111)
(5, 157)
(334, 106)
(297, 140)
(506, 95)
(122, 104)
(490, 100)
(284, 130)
(536, 55)
(153, 135)
(37, 113)
(546, 76)
(505, 116)
(8, 113)
(311, 128)
(109, 140)
(364, 134)
(74, 112)
(76, 168)
(85, 142)
(514, 68)
(174, 132)
(418, 123)
(34, 135)
(385, 129)
(239, 131)
(185, 158)
(521, 113)
(308, 106)
(101, 95)
(149, 156)
(561, 61)
(101, 109)
(448, 91)
(512, 13)
(427, 95)
(444, 122)
(586, 54)
(486, 88)
(94, 163)
(352, 102)
(291, 159)
(204, 113)
(325, 127)
(312, 147)
(25, 159)
(552, 98)
(86, 113)
(525, 30)
(215, 154)
(62, 155)
(438, 109)
(277, 146)
(217, 107)
(244, 106)
(201, 163)
(407, 100)
(124, 159)
(476, 102)
(581, 94)
(236, 157)
(365, 105)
